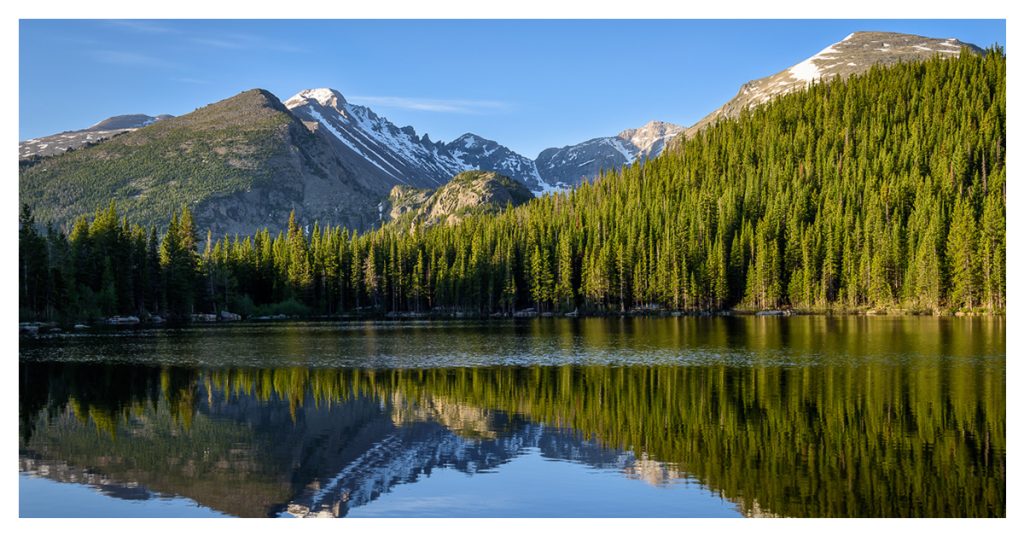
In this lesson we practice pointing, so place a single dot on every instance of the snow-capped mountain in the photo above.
(425, 440)
(856, 53)
(568, 166)
(650, 139)
(74, 139)
(397, 155)
(475, 152)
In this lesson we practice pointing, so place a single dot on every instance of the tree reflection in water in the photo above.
(914, 437)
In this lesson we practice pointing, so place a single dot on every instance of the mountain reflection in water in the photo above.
(863, 439)
(310, 442)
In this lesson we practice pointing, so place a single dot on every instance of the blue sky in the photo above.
(527, 84)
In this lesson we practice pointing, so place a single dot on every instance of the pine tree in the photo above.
(33, 265)
(564, 289)
(540, 278)
(962, 251)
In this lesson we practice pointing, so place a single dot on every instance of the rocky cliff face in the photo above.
(650, 139)
(470, 192)
(405, 202)
(387, 154)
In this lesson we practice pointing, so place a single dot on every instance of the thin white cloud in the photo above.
(223, 40)
(120, 57)
(187, 80)
(142, 26)
(242, 41)
(217, 43)
(460, 106)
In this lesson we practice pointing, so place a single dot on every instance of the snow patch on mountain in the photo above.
(628, 154)
(807, 70)
(343, 139)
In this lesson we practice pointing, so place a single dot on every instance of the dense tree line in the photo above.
(886, 190)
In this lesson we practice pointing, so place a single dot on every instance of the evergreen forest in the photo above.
(884, 191)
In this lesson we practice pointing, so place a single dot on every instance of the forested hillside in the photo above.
(885, 190)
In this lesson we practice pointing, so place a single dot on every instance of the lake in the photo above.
(601, 417)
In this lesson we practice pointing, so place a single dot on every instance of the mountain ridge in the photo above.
(54, 144)
(570, 165)
(854, 54)
(397, 155)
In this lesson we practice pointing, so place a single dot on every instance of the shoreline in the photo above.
(34, 329)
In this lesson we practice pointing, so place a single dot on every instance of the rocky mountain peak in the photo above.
(469, 141)
(469, 192)
(327, 97)
(650, 139)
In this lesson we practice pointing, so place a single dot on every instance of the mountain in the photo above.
(469, 192)
(855, 54)
(480, 153)
(74, 139)
(394, 155)
(125, 122)
(570, 165)
(240, 164)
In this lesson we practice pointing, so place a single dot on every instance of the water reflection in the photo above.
(265, 442)
(914, 436)
(739, 341)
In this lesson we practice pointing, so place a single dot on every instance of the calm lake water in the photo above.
(662, 417)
